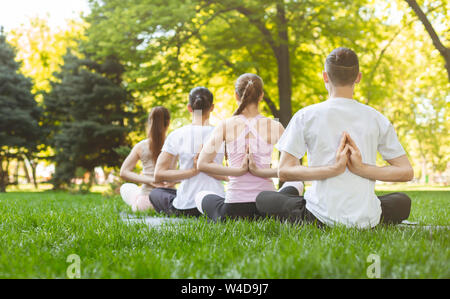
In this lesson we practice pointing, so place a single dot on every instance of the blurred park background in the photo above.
(78, 78)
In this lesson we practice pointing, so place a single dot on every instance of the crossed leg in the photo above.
(395, 207)
(286, 204)
(132, 196)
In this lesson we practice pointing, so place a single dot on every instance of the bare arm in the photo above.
(219, 177)
(126, 170)
(291, 170)
(164, 170)
(209, 151)
(399, 170)
(266, 172)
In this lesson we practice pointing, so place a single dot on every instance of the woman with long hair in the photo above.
(249, 139)
(147, 151)
(183, 146)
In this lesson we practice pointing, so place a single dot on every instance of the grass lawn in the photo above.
(39, 230)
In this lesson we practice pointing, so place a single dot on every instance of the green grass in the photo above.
(39, 230)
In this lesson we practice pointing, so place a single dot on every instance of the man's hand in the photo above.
(341, 156)
(355, 162)
(399, 170)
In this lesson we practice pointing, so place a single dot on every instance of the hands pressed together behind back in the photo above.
(348, 155)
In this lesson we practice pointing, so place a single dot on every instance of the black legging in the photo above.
(395, 207)
(215, 208)
(285, 204)
(162, 199)
(288, 205)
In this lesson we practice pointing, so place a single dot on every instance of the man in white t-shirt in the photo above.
(341, 138)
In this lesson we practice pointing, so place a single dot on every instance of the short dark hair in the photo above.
(342, 66)
(200, 98)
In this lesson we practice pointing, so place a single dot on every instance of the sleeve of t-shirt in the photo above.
(293, 140)
(388, 144)
(171, 144)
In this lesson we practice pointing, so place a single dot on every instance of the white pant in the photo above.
(133, 196)
(297, 184)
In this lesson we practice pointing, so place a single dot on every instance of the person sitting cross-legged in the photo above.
(341, 137)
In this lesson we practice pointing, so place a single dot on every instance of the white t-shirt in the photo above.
(347, 198)
(185, 143)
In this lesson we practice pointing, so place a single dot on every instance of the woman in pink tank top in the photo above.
(249, 138)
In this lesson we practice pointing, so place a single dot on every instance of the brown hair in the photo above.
(249, 88)
(342, 66)
(158, 121)
(200, 98)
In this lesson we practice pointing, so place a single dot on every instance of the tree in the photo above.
(445, 52)
(19, 113)
(171, 46)
(41, 49)
(89, 113)
(406, 86)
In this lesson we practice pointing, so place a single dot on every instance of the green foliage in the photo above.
(168, 47)
(89, 114)
(171, 46)
(123, 151)
(42, 49)
(20, 132)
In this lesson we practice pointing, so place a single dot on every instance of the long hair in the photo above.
(249, 88)
(158, 121)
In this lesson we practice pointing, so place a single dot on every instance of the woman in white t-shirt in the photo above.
(183, 145)
(147, 151)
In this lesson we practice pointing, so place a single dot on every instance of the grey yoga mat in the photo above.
(153, 221)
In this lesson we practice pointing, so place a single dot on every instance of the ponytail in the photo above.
(249, 88)
(158, 120)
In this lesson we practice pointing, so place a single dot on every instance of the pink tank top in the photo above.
(245, 188)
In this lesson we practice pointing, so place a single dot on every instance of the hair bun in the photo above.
(200, 98)
(198, 101)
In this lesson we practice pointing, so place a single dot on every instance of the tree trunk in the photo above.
(280, 47)
(16, 173)
(33, 165)
(445, 52)
(33, 169)
(284, 67)
(25, 169)
(33, 173)
(91, 179)
(3, 177)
